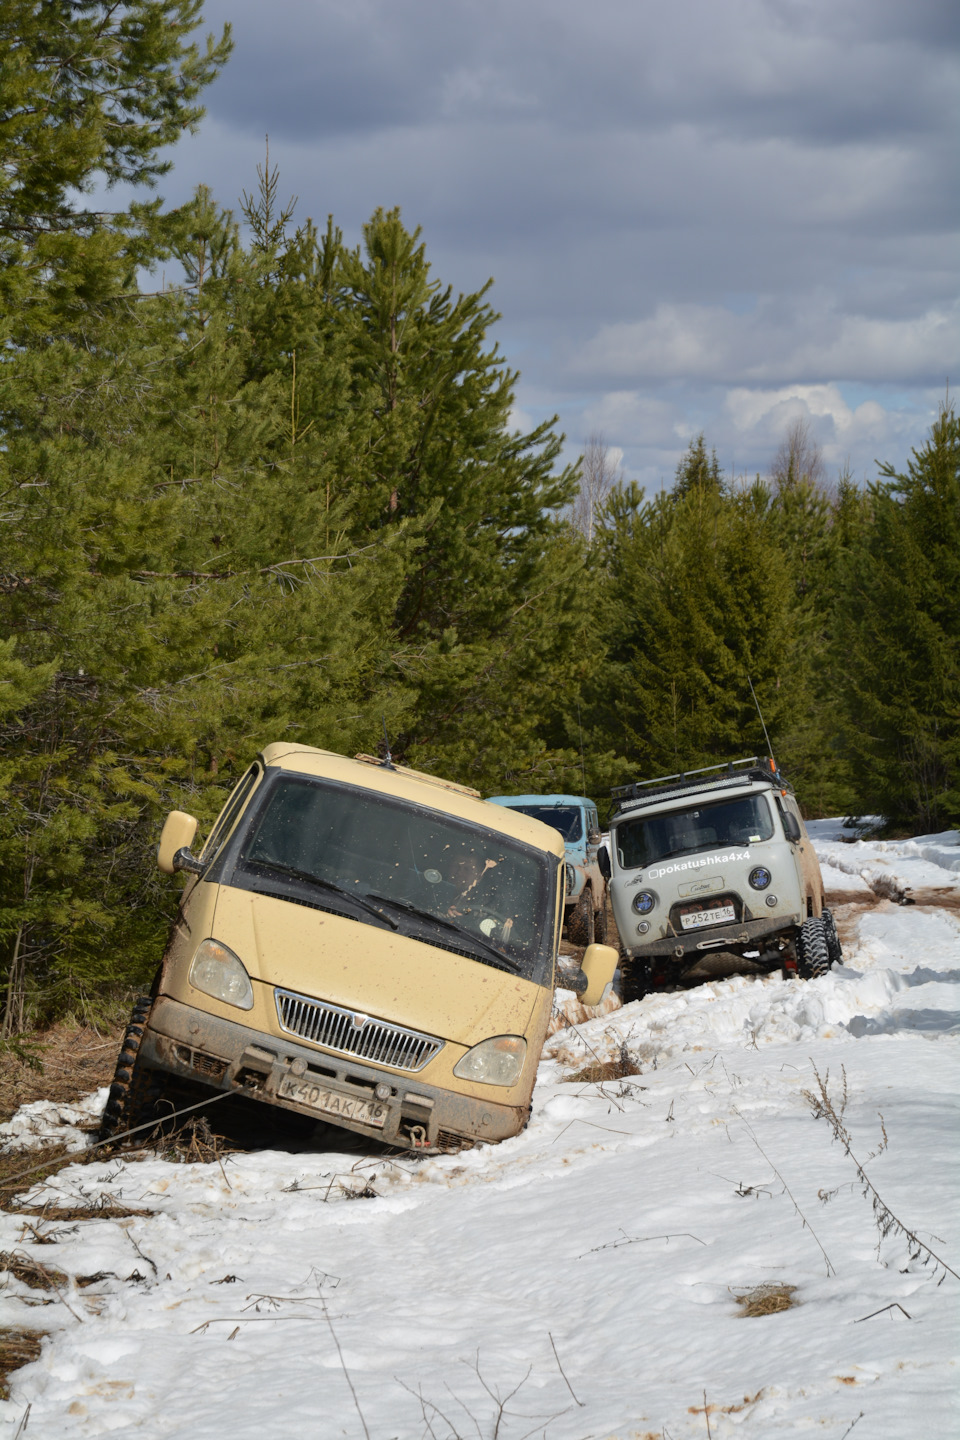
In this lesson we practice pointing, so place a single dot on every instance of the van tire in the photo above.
(813, 953)
(634, 978)
(600, 923)
(834, 949)
(581, 925)
(135, 1089)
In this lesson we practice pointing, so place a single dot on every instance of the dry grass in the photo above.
(54, 1157)
(597, 1071)
(98, 1210)
(17, 1347)
(31, 1272)
(766, 1299)
(73, 1060)
(61, 1065)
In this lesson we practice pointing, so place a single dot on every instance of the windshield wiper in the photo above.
(684, 850)
(475, 940)
(320, 883)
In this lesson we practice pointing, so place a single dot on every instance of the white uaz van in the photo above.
(715, 860)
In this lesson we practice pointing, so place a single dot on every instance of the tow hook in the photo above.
(418, 1135)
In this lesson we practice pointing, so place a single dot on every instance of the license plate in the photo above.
(716, 916)
(332, 1102)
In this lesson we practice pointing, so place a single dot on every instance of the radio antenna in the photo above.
(387, 757)
(760, 713)
(583, 772)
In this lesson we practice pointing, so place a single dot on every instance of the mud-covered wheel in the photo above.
(135, 1089)
(600, 922)
(834, 949)
(634, 978)
(813, 954)
(580, 926)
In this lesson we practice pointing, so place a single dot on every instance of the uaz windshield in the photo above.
(645, 840)
(565, 818)
(418, 871)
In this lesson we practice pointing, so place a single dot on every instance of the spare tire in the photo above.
(813, 951)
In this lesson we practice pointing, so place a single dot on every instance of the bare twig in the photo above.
(803, 1219)
(566, 1382)
(894, 1305)
(577, 1121)
(824, 1107)
(136, 1247)
(246, 1320)
(706, 1416)
(640, 1240)
(851, 1425)
(343, 1366)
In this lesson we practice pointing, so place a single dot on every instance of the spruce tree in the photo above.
(901, 636)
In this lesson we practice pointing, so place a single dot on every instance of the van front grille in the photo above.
(349, 1032)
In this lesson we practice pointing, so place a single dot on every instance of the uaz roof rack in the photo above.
(722, 777)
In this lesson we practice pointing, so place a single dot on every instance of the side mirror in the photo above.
(593, 837)
(176, 837)
(599, 965)
(603, 861)
(791, 826)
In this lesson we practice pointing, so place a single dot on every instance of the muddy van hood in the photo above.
(378, 971)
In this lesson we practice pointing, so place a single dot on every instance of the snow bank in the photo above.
(590, 1266)
(928, 862)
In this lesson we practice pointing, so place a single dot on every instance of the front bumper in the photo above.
(746, 934)
(184, 1041)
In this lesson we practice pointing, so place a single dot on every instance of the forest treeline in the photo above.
(282, 498)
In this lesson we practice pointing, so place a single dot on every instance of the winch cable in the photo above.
(112, 1140)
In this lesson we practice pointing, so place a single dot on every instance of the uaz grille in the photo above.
(351, 1033)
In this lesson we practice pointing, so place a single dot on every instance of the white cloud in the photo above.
(809, 341)
(858, 434)
(520, 422)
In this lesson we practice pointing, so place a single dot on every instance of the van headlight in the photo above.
(644, 901)
(497, 1061)
(218, 972)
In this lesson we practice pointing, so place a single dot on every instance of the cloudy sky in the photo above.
(698, 215)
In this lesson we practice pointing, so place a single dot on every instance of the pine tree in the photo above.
(700, 603)
(89, 91)
(901, 636)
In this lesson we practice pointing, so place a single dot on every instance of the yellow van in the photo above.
(359, 943)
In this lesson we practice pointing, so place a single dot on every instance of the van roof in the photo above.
(370, 773)
(629, 799)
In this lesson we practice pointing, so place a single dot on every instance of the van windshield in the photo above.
(646, 839)
(379, 860)
(565, 818)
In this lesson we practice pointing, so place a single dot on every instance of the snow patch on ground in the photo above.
(921, 864)
(44, 1123)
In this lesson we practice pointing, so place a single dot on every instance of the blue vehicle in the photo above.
(584, 905)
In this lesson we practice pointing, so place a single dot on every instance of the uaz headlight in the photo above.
(497, 1061)
(644, 901)
(218, 972)
(760, 877)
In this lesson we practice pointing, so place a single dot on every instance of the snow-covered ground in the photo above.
(587, 1269)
